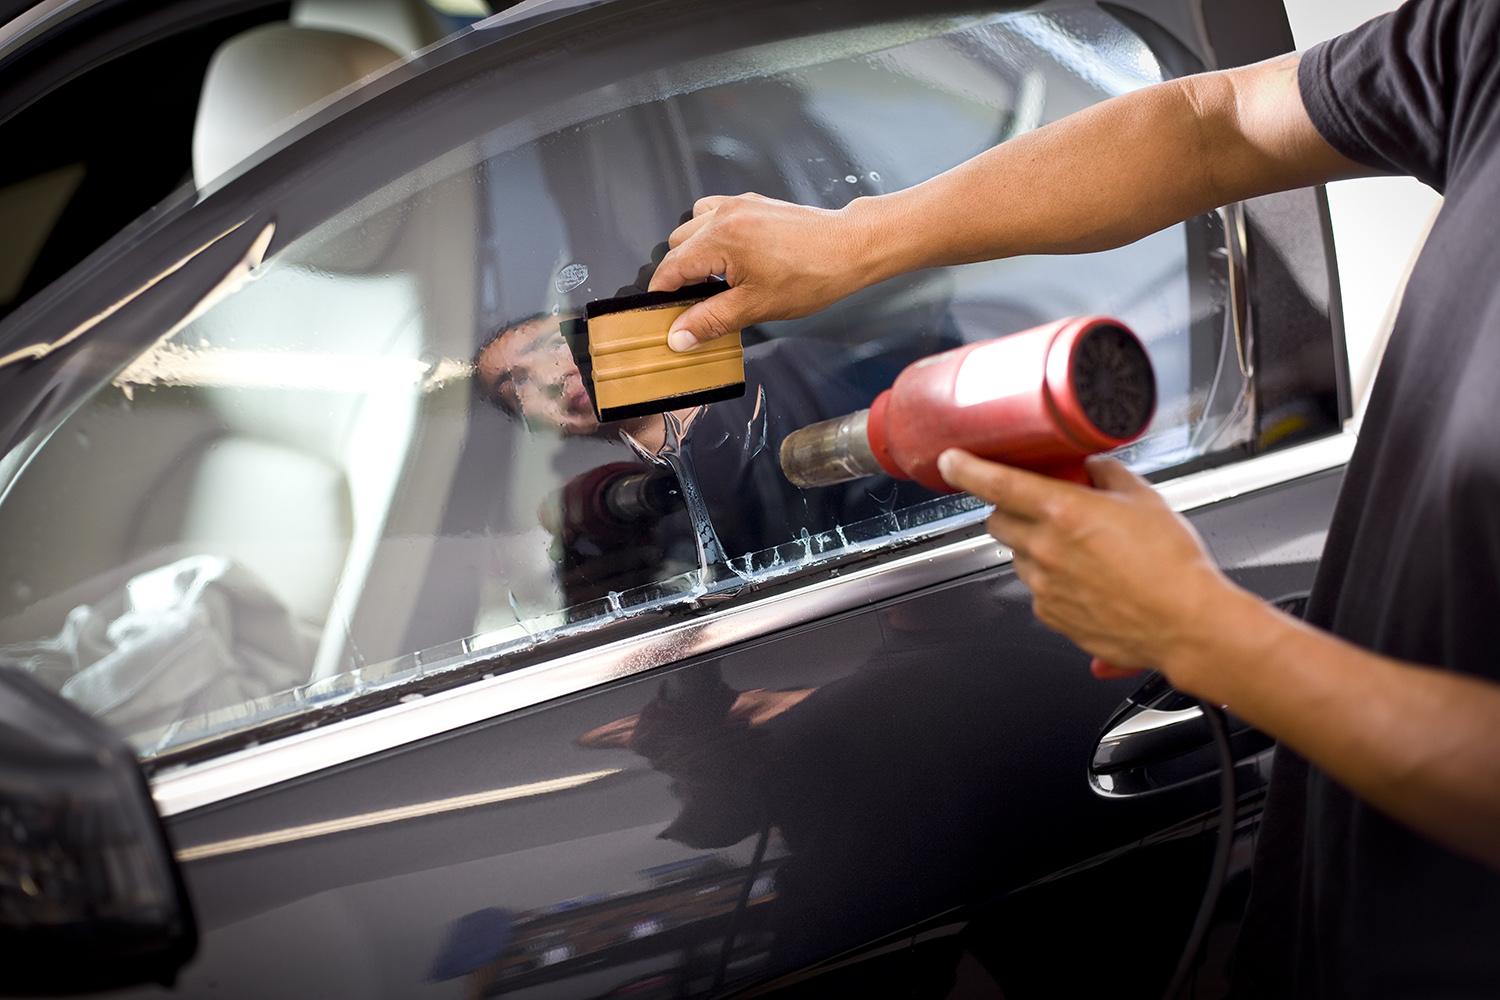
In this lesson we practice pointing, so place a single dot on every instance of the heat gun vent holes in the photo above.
(1113, 380)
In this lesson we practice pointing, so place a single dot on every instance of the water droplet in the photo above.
(83, 440)
(806, 541)
(874, 176)
(755, 427)
(570, 277)
(838, 529)
(614, 601)
(515, 608)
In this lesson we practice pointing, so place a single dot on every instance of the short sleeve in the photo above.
(1388, 93)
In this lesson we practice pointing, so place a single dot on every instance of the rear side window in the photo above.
(375, 464)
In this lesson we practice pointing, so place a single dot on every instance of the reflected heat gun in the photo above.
(1044, 399)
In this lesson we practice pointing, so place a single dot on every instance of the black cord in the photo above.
(739, 908)
(1228, 803)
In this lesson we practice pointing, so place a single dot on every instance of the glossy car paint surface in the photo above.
(926, 756)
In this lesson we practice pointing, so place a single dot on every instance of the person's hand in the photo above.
(1113, 568)
(782, 261)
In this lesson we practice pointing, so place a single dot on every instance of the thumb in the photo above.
(1108, 671)
(1111, 475)
(710, 319)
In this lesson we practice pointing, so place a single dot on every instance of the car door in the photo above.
(447, 688)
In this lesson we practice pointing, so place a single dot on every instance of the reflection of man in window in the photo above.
(528, 372)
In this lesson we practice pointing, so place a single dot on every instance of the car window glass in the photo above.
(29, 210)
(376, 463)
(129, 108)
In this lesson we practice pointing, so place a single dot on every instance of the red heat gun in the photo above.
(1043, 399)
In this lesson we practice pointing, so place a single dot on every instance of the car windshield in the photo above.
(376, 464)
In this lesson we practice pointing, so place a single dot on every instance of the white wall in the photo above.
(1377, 221)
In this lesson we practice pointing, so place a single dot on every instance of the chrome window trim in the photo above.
(36, 21)
(193, 786)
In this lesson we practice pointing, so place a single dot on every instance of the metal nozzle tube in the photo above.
(642, 496)
(834, 451)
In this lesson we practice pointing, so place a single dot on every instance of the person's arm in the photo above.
(1101, 178)
(1120, 574)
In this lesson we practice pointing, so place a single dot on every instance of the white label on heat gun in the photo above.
(1004, 368)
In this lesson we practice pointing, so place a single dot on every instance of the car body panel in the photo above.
(929, 771)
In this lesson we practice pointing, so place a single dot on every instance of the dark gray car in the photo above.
(442, 687)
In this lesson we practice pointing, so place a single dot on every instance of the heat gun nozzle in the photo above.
(834, 451)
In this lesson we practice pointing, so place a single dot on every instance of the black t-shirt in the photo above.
(1348, 902)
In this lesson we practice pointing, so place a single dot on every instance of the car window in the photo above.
(375, 463)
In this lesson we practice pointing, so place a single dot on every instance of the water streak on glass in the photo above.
(676, 454)
(755, 429)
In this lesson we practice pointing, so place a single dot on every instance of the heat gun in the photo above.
(1043, 399)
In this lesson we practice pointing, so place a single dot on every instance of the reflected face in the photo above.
(531, 371)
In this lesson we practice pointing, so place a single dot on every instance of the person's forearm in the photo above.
(1101, 178)
(1108, 175)
(1420, 744)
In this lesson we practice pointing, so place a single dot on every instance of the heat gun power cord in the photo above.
(1228, 802)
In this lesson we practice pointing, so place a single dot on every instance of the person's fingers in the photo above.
(1109, 474)
(1108, 671)
(703, 209)
(708, 203)
(1017, 492)
(687, 265)
(1011, 531)
(686, 231)
(1026, 571)
(708, 320)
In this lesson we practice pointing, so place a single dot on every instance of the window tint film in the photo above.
(376, 464)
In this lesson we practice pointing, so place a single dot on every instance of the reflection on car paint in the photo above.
(901, 762)
(701, 921)
(395, 815)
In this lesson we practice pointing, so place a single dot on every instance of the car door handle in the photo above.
(1148, 735)
(1159, 738)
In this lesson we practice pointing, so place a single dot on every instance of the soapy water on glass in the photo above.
(713, 565)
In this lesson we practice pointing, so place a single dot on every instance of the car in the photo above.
(441, 686)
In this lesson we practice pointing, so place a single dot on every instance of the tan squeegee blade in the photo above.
(632, 370)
